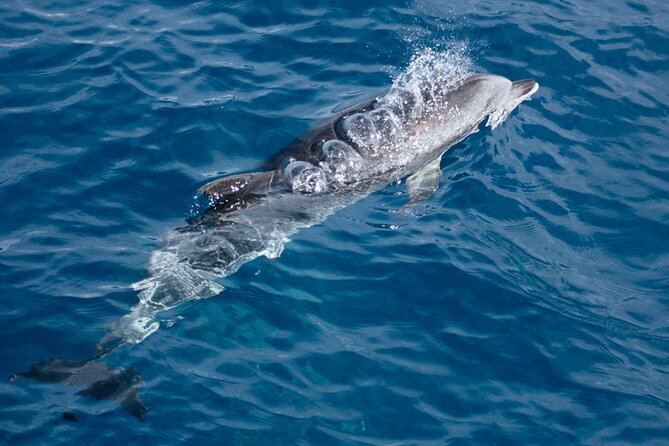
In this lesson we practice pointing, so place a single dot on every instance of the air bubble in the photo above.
(386, 124)
(339, 160)
(303, 177)
(359, 128)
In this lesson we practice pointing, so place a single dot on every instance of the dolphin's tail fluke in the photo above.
(98, 380)
(174, 283)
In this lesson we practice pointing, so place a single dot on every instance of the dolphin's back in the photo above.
(304, 148)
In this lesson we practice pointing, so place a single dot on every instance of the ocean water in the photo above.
(525, 302)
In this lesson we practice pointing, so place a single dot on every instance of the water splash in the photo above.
(432, 71)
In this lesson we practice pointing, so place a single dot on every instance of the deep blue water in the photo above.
(525, 302)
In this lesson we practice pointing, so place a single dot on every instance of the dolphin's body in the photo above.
(360, 150)
(402, 133)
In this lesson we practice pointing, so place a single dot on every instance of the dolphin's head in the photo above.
(477, 96)
(481, 95)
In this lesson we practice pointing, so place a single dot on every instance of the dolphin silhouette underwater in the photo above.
(401, 133)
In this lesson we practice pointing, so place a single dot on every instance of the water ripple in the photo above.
(525, 302)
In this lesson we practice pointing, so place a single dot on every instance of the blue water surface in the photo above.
(525, 302)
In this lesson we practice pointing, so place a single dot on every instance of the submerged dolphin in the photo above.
(401, 133)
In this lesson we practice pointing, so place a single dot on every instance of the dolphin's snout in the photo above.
(525, 87)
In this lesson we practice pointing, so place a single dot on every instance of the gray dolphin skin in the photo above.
(401, 133)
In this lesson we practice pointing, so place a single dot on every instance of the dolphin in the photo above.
(399, 133)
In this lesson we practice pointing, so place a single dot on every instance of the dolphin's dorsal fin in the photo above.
(423, 183)
(235, 187)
